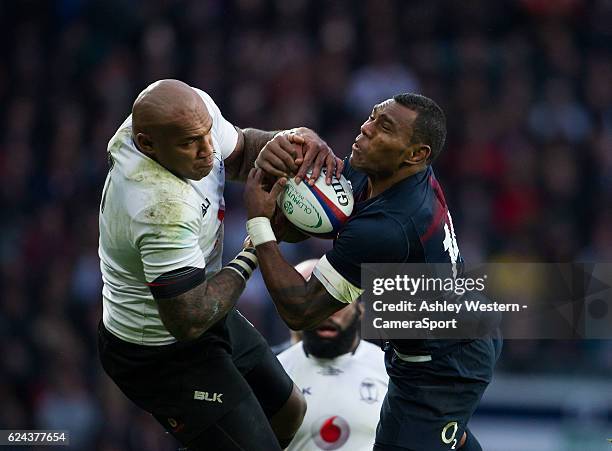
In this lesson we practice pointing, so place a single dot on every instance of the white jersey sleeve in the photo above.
(167, 236)
(224, 133)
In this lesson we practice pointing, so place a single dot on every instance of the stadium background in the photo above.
(527, 88)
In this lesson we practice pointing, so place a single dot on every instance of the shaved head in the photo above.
(164, 104)
(171, 125)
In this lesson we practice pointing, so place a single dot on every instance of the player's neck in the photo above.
(377, 185)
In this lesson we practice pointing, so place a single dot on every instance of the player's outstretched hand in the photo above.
(281, 155)
(257, 200)
(317, 154)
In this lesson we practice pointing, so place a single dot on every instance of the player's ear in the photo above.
(145, 144)
(417, 154)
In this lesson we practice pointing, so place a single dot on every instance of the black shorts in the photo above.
(189, 386)
(428, 404)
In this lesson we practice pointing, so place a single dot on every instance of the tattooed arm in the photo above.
(280, 154)
(250, 142)
(192, 313)
(302, 304)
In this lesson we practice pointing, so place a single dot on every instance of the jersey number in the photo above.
(450, 242)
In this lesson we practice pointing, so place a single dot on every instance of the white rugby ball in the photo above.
(319, 210)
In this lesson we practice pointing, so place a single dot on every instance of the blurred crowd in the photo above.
(527, 169)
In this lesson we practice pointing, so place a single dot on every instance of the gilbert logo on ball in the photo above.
(319, 210)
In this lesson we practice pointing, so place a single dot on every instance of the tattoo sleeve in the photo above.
(192, 313)
(237, 166)
(302, 304)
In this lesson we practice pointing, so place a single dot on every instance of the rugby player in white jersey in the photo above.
(170, 337)
(343, 379)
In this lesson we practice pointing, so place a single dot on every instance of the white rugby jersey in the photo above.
(344, 396)
(153, 222)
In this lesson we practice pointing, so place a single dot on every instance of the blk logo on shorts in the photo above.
(205, 396)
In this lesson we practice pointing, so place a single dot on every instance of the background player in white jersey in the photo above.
(170, 337)
(343, 379)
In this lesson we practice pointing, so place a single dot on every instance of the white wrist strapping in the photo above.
(244, 263)
(260, 230)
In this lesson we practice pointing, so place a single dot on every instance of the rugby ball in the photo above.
(319, 210)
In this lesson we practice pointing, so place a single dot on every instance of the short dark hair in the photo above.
(429, 127)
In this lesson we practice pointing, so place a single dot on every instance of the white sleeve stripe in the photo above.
(335, 284)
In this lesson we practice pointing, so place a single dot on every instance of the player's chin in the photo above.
(355, 161)
(199, 172)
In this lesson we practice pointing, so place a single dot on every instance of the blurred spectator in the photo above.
(66, 404)
(559, 115)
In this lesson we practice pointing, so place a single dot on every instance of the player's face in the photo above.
(384, 139)
(336, 335)
(339, 321)
(187, 148)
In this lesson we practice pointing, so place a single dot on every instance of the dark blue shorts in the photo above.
(218, 384)
(428, 404)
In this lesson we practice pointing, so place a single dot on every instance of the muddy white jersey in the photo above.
(344, 396)
(153, 222)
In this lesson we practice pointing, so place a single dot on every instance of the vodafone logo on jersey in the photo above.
(330, 432)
